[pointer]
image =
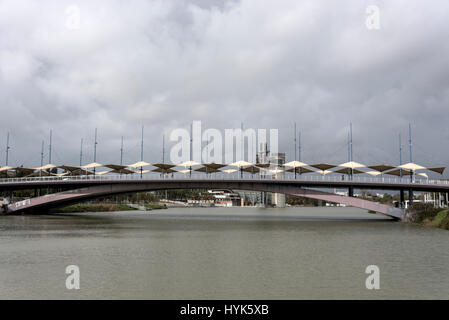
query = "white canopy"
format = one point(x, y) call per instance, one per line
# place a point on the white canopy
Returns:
point(240, 163)
point(5, 168)
point(92, 165)
point(373, 173)
point(184, 171)
point(324, 171)
point(352, 165)
point(229, 170)
point(422, 174)
point(139, 164)
point(295, 164)
point(188, 164)
point(411, 166)
point(276, 171)
point(62, 174)
point(46, 167)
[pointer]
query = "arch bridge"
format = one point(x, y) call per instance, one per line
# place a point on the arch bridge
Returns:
point(80, 188)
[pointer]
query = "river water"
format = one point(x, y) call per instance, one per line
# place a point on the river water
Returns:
point(221, 253)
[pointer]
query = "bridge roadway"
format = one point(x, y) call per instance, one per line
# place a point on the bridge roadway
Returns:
point(82, 188)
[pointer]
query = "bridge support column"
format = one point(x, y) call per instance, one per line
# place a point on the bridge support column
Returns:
point(401, 198)
point(410, 197)
point(446, 198)
point(351, 191)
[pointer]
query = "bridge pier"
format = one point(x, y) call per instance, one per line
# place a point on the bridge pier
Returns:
point(410, 197)
point(351, 192)
point(402, 198)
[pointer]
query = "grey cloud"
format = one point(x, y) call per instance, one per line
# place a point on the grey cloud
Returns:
point(162, 64)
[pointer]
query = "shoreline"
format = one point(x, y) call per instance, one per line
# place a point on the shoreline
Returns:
point(105, 207)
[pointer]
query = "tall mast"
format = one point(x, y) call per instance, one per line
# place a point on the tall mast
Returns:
point(141, 146)
point(49, 148)
point(7, 148)
point(350, 135)
point(141, 154)
point(243, 142)
point(191, 147)
point(163, 148)
point(400, 155)
point(121, 152)
point(95, 146)
point(42, 158)
point(410, 140)
point(410, 146)
point(299, 146)
point(42, 153)
point(349, 149)
point(81, 152)
point(95, 149)
point(294, 138)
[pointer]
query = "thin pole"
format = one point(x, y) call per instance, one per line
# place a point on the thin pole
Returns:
point(121, 155)
point(410, 147)
point(191, 145)
point(141, 154)
point(42, 153)
point(95, 149)
point(400, 156)
point(42, 158)
point(294, 138)
point(410, 140)
point(81, 152)
point(243, 148)
point(121, 152)
point(7, 148)
point(350, 132)
point(141, 146)
point(243, 142)
point(299, 150)
point(163, 148)
point(349, 153)
point(350, 135)
point(49, 148)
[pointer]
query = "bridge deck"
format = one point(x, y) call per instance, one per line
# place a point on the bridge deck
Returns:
point(103, 187)
point(302, 181)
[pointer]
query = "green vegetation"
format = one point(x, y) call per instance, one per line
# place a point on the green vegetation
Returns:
point(441, 220)
point(426, 214)
point(155, 205)
point(306, 202)
point(92, 208)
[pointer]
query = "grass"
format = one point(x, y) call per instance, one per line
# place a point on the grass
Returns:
point(441, 220)
point(428, 215)
point(155, 206)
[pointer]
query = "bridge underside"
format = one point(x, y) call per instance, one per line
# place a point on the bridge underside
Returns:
point(96, 191)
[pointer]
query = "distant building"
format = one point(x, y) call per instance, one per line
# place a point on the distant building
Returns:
point(273, 169)
point(225, 198)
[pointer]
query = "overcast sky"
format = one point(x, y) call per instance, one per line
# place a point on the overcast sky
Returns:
point(162, 64)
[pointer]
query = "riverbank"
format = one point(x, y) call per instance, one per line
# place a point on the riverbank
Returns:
point(105, 207)
point(428, 216)
point(155, 206)
point(99, 207)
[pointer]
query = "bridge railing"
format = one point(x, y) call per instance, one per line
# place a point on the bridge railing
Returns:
point(236, 176)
